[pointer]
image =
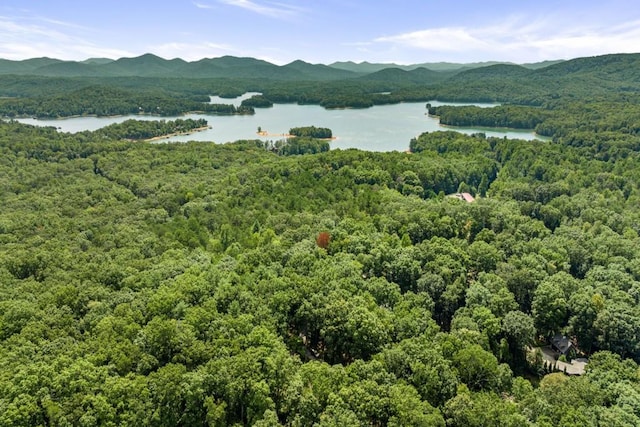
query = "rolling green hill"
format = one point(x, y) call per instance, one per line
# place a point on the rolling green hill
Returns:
point(318, 71)
point(419, 76)
point(27, 66)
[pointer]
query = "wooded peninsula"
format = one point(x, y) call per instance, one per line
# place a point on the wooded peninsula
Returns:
point(282, 283)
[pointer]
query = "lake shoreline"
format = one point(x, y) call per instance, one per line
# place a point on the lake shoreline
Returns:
point(132, 115)
point(171, 135)
point(498, 128)
point(382, 128)
point(264, 133)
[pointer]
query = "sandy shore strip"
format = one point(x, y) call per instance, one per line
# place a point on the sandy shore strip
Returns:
point(267, 134)
point(169, 135)
point(264, 133)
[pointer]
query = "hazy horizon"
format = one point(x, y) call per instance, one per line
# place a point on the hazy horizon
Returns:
point(405, 32)
point(298, 59)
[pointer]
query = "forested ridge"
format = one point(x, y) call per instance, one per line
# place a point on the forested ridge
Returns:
point(248, 283)
point(110, 101)
point(147, 130)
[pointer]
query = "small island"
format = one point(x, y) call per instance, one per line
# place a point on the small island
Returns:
point(299, 140)
point(312, 132)
point(301, 132)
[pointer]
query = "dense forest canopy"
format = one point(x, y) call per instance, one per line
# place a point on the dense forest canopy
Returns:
point(284, 283)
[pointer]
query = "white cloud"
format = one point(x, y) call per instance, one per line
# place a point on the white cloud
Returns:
point(521, 40)
point(203, 6)
point(22, 40)
point(273, 10)
point(438, 39)
point(357, 44)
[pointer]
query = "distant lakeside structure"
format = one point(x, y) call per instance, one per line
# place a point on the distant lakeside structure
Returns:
point(465, 197)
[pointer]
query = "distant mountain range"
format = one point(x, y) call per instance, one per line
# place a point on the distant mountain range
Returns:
point(367, 67)
point(150, 65)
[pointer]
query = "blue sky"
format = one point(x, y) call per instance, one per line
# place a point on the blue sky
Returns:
point(321, 31)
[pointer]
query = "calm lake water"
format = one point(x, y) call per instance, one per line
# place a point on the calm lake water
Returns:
point(379, 128)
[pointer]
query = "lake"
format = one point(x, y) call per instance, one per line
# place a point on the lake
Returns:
point(378, 128)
